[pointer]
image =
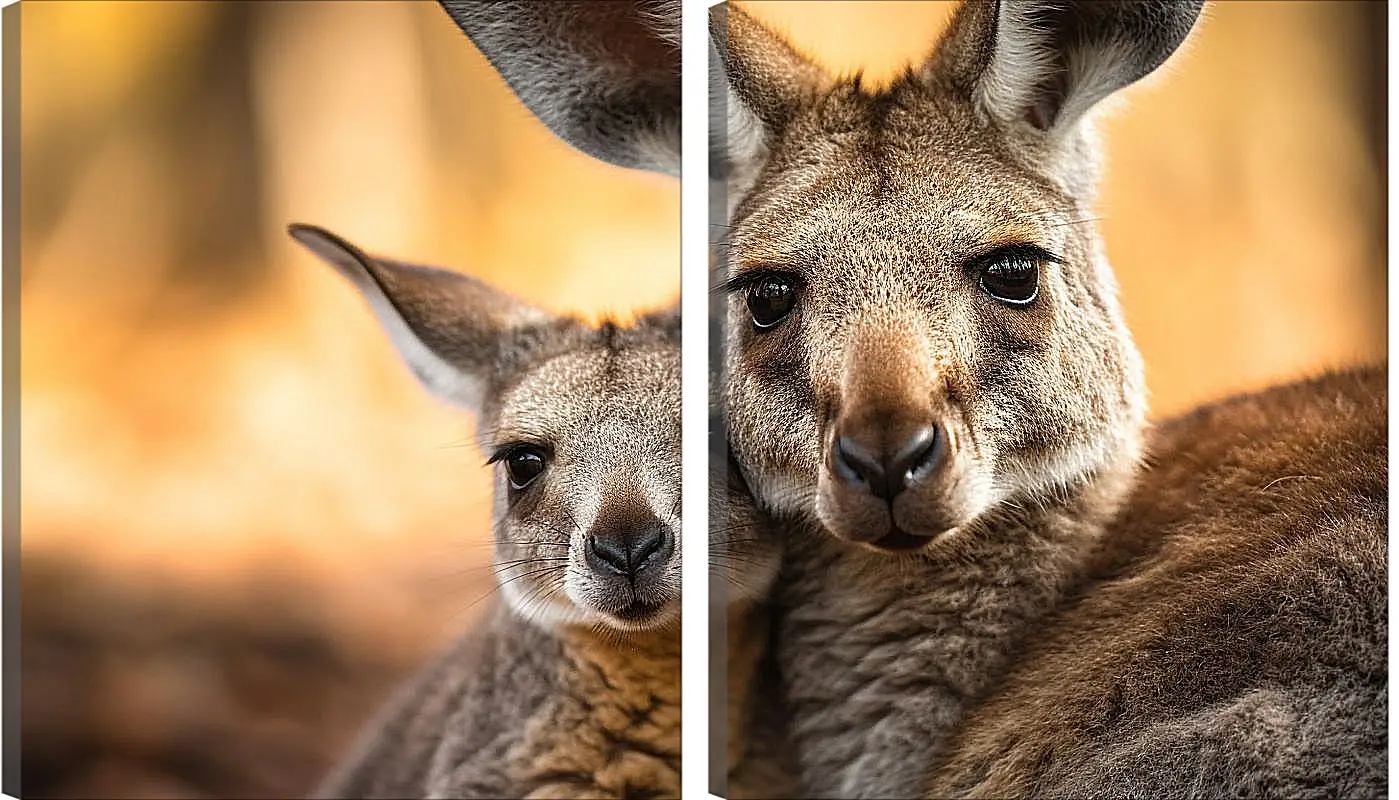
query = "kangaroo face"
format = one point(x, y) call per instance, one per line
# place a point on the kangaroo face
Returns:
point(582, 426)
point(922, 328)
point(934, 339)
point(587, 452)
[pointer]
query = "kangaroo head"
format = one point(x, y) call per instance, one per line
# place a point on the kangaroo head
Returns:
point(922, 327)
point(581, 425)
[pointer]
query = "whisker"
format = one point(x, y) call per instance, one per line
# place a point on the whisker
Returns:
point(502, 584)
point(571, 520)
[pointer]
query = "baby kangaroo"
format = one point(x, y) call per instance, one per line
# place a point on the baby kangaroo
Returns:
point(570, 687)
point(746, 727)
point(995, 582)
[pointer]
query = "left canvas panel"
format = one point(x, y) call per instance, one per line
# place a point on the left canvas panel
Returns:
point(298, 513)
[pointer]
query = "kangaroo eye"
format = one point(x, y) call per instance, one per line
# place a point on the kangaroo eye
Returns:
point(771, 299)
point(523, 464)
point(1012, 278)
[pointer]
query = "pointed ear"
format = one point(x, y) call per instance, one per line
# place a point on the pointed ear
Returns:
point(1045, 63)
point(603, 75)
point(757, 84)
point(446, 326)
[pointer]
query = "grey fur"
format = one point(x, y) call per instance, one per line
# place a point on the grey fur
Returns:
point(920, 672)
point(604, 75)
point(560, 691)
point(747, 725)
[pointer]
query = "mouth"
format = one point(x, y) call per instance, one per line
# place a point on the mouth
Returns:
point(638, 611)
point(899, 541)
point(639, 615)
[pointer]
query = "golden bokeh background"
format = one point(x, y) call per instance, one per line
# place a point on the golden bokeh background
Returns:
point(243, 520)
point(1244, 200)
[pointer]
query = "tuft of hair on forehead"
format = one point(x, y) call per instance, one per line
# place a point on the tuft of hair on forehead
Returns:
point(530, 346)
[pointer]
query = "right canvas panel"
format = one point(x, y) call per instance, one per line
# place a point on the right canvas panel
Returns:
point(1049, 398)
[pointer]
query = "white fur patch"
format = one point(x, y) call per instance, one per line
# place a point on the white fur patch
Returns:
point(658, 151)
point(546, 609)
point(1020, 58)
point(439, 376)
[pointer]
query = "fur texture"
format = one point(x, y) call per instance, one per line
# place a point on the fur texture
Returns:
point(515, 711)
point(1236, 660)
point(917, 589)
point(571, 687)
point(745, 723)
point(604, 75)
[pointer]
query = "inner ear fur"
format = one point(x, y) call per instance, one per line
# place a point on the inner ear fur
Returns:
point(1044, 64)
point(758, 83)
point(763, 72)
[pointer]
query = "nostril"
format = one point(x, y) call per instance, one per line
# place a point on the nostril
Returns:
point(628, 553)
point(854, 464)
point(608, 553)
point(887, 475)
point(919, 456)
point(648, 547)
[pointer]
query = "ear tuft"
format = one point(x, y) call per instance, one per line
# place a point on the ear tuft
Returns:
point(446, 326)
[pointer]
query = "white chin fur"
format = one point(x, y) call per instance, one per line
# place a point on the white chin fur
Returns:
point(554, 612)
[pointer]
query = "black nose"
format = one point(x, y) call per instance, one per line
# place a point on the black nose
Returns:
point(886, 471)
point(629, 552)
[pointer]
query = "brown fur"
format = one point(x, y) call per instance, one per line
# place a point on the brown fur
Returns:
point(571, 688)
point(1290, 592)
point(1016, 545)
point(515, 711)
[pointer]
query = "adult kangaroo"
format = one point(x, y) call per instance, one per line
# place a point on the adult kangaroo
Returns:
point(997, 581)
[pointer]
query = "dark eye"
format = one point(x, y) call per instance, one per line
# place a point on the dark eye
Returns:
point(1012, 278)
point(523, 464)
point(771, 299)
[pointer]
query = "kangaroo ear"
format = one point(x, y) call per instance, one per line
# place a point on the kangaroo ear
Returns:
point(448, 327)
point(757, 84)
point(1045, 63)
point(604, 76)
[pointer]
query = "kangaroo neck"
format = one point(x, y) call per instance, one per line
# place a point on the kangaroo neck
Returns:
point(643, 656)
point(882, 654)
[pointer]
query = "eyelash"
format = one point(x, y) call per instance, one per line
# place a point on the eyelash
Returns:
point(742, 282)
point(747, 280)
point(1021, 250)
point(501, 451)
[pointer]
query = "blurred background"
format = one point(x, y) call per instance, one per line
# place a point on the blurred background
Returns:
point(243, 520)
point(1244, 205)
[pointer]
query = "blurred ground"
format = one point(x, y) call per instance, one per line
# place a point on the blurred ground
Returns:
point(143, 684)
point(242, 519)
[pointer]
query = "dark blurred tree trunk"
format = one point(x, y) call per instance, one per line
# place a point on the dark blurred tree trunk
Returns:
point(215, 156)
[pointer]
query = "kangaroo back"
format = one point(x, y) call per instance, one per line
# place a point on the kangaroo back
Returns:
point(1233, 639)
